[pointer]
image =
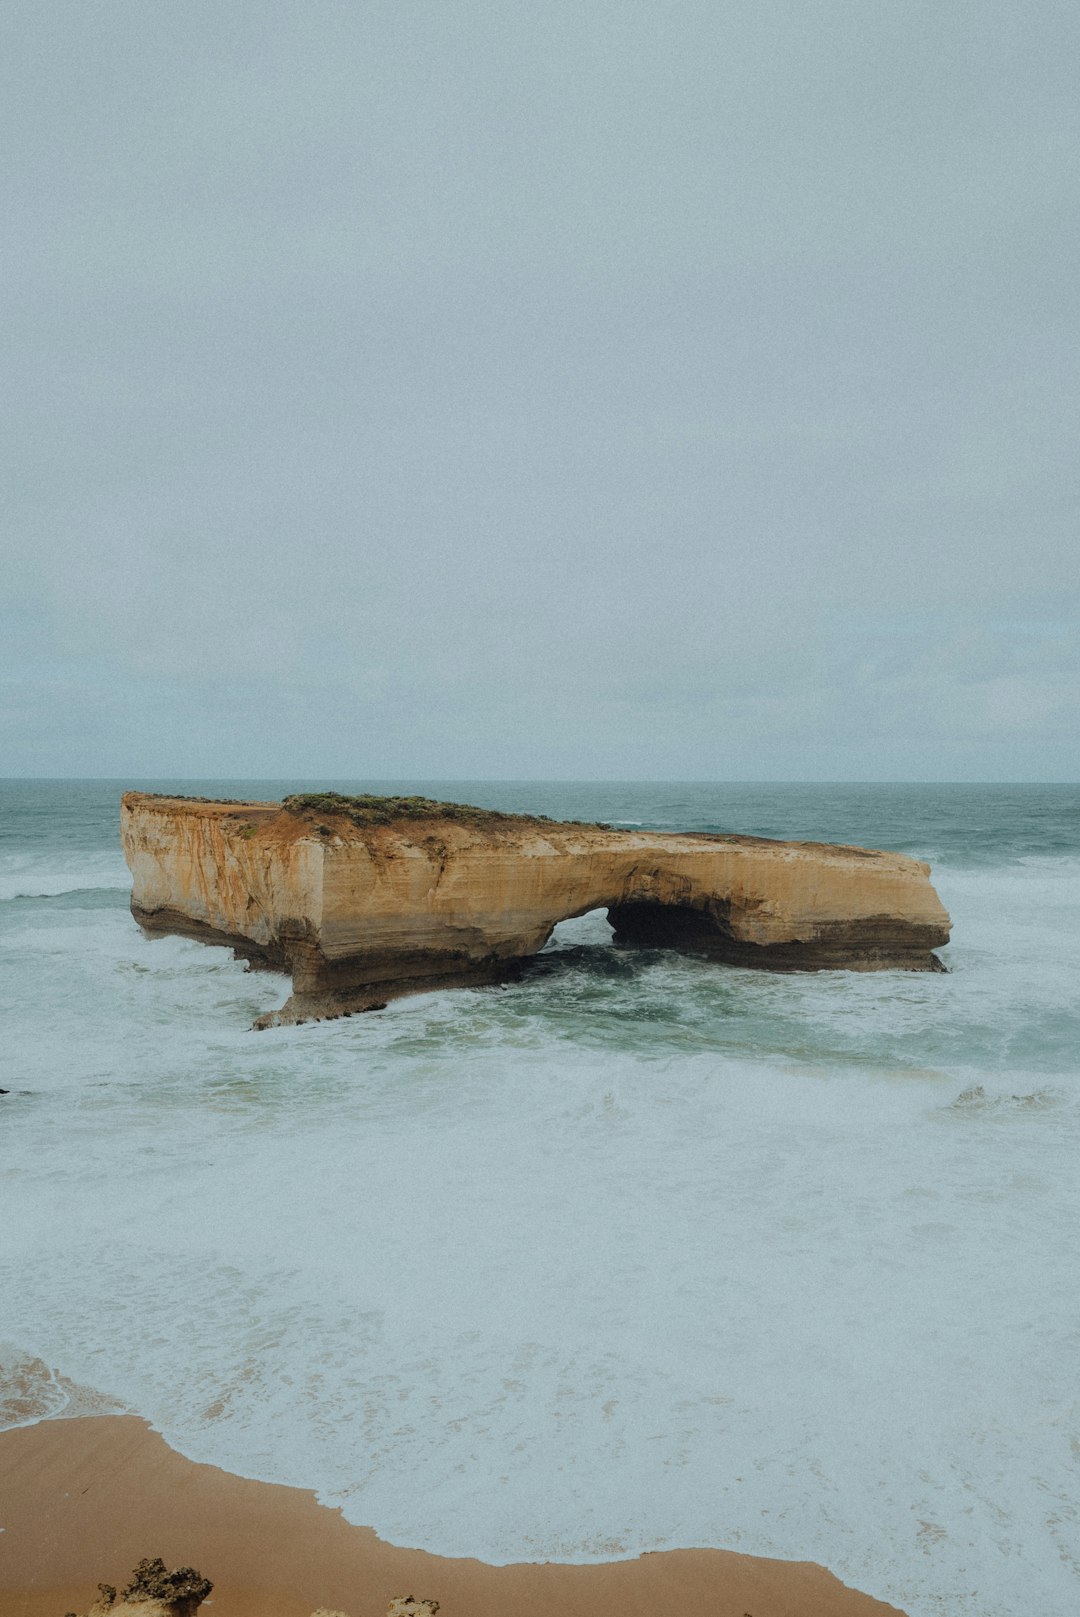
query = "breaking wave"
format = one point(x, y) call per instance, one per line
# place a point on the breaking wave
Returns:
point(23, 876)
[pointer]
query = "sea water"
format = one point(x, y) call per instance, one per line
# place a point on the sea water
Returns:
point(641, 1252)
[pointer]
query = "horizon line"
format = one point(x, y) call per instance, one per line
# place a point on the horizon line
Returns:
point(544, 780)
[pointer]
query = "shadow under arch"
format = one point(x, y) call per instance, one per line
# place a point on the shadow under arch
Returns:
point(704, 929)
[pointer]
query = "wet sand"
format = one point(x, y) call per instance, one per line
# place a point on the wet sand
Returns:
point(81, 1501)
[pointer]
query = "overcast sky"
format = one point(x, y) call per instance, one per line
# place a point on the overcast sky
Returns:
point(595, 389)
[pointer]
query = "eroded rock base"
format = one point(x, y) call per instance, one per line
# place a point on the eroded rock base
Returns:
point(329, 1003)
point(874, 944)
point(326, 991)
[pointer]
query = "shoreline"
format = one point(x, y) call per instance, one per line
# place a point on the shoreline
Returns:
point(83, 1499)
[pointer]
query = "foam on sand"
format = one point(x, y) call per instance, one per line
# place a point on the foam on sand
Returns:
point(86, 1498)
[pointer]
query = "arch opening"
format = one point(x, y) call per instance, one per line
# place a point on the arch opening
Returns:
point(590, 930)
point(650, 925)
point(644, 924)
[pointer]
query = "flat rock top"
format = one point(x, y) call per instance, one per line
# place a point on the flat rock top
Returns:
point(418, 819)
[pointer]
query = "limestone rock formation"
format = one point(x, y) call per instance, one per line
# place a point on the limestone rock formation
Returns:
point(154, 1591)
point(365, 899)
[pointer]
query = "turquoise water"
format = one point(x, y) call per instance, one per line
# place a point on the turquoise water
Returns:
point(639, 1252)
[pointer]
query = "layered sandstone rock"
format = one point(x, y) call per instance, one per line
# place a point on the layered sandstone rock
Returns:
point(360, 909)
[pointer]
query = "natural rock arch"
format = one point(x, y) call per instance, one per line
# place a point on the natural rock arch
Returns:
point(360, 910)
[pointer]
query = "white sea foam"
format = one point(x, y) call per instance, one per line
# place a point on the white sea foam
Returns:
point(636, 1253)
point(31, 875)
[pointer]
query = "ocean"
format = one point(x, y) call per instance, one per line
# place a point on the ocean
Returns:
point(641, 1252)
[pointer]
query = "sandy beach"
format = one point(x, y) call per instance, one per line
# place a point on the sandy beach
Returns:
point(81, 1501)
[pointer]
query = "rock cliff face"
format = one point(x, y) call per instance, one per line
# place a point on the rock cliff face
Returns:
point(360, 912)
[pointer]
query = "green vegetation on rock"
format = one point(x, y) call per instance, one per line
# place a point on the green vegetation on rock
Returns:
point(368, 809)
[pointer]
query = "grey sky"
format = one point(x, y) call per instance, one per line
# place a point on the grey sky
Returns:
point(541, 389)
